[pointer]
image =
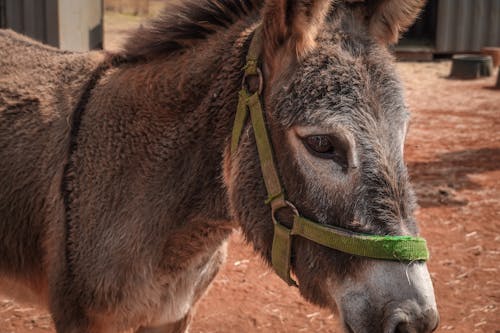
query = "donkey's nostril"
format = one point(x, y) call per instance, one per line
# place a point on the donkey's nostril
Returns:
point(403, 327)
point(426, 322)
point(349, 329)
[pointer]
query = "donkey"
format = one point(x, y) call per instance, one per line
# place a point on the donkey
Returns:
point(119, 187)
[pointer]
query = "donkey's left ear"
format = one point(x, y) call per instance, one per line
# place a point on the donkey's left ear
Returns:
point(389, 18)
point(290, 27)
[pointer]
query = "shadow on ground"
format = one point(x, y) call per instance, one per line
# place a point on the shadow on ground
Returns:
point(438, 182)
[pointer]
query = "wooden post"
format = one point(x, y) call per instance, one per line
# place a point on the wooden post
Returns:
point(494, 52)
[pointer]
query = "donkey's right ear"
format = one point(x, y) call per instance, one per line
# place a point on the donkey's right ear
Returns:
point(290, 28)
point(389, 18)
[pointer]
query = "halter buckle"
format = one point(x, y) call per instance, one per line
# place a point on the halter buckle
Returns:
point(280, 204)
point(249, 83)
point(281, 255)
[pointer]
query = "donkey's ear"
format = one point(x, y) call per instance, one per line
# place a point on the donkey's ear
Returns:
point(291, 26)
point(389, 18)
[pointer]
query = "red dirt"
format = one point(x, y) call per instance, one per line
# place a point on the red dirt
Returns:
point(453, 154)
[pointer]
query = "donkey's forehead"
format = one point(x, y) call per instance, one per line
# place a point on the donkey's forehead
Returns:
point(333, 84)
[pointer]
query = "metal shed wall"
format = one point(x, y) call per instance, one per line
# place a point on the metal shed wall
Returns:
point(2, 14)
point(467, 25)
point(31, 17)
point(74, 25)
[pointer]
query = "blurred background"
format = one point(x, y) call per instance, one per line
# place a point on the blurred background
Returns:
point(452, 152)
point(445, 27)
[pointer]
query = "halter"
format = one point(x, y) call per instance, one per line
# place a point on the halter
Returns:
point(396, 248)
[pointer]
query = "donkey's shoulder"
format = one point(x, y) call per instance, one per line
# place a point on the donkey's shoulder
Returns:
point(12, 41)
point(32, 71)
point(21, 54)
point(19, 51)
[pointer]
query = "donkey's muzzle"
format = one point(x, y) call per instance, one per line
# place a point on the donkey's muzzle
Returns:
point(389, 297)
point(406, 317)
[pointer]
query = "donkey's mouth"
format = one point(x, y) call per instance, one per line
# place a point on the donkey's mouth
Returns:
point(348, 328)
point(357, 327)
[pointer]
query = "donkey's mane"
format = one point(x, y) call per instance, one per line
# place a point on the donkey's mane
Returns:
point(183, 23)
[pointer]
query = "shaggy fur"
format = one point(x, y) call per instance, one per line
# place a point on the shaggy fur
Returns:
point(184, 23)
point(293, 27)
point(117, 189)
point(389, 18)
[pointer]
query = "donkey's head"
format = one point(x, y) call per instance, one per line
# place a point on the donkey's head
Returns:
point(337, 121)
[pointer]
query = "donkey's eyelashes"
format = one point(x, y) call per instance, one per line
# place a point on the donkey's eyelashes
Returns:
point(320, 144)
point(326, 147)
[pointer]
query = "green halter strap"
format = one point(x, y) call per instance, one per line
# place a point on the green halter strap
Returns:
point(399, 248)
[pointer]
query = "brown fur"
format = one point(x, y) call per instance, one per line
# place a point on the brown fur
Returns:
point(389, 18)
point(291, 27)
point(117, 190)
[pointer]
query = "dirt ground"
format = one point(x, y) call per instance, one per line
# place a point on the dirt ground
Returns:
point(453, 154)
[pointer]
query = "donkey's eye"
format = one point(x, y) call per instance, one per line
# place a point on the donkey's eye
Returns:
point(326, 147)
point(320, 145)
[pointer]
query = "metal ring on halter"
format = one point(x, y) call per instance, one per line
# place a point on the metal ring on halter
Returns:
point(245, 85)
point(288, 204)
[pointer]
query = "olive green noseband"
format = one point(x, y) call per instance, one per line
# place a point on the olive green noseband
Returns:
point(398, 248)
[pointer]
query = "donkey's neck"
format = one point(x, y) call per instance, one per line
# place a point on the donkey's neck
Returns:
point(185, 106)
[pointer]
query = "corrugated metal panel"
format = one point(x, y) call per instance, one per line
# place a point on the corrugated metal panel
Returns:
point(74, 25)
point(51, 23)
point(34, 18)
point(467, 25)
point(3, 24)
